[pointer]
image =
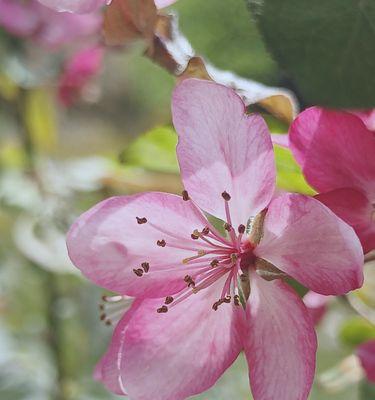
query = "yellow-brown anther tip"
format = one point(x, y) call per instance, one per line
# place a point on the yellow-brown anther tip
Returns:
point(162, 309)
point(141, 221)
point(185, 195)
point(168, 300)
point(161, 243)
point(226, 196)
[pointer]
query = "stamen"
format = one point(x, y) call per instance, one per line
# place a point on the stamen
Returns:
point(227, 227)
point(226, 196)
point(145, 266)
point(241, 229)
point(185, 195)
point(214, 263)
point(168, 300)
point(195, 235)
point(162, 309)
point(205, 231)
point(138, 271)
point(113, 308)
point(189, 280)
point(141, 221)
point(161, 243)
point(236, 300)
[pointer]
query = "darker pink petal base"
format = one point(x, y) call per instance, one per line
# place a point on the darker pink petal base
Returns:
point(335, 150)
point(175, 355)
point(366, 353)
point(305, 239)
point(280, 343)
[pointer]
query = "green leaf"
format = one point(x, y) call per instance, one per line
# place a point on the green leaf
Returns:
point(154, 151)
point(289, 174)
point(356, 330)
point(325, 47)
point(367, 391)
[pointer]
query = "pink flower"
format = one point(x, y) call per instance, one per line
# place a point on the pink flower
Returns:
point(46, 27)
point(186, 325)
point(79, 70)
point(336, 152)
point(366, 354)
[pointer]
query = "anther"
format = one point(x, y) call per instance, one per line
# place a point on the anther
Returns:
point(215, 306)
point(214, 263)
point(226, 196)
point(227, 227)
point(241, 229)
point(206, 230)
point(102, 317)
point(226, 299)
point(236, 300)
point(189, 280)
point(138, 271)
point(233, 257)
point(145, 266)
point(161, 243)
point(168, 300)
point(162, 309)
point(185, 195)
point(141, 221)
point(195, 235)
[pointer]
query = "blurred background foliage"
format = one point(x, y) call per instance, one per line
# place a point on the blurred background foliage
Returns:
point(55, 162)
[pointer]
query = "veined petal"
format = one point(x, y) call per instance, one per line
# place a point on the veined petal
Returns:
point(221, 149)
point(366, 353)
point(178, 354)
point(355, 209)
point(335, 150)
point(305, 239)
point(107, 243)
point(280, 344)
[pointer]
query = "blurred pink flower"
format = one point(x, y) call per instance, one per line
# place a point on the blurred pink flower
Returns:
point(85, 6)
point(317, 305)
point(186, 325)
point(48, 28)
point(75, 6)
point(78, 71)
point(336, 152)
point(367, 116)
point(366, 354)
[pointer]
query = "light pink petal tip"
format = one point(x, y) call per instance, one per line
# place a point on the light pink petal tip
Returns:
point(355, 209)
point(280, 345)
point(316, 304)
point(310, 243)
point(106, 243)
point(175, 355)
point(335, 150)
point(281, 140)
point(366, 353)
point(221, 149)
point(75, 6)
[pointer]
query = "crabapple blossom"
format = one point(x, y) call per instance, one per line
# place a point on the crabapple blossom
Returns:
point(336, 152)
point(204, 292)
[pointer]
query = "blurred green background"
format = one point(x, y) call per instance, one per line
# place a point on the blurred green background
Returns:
point(57, 162)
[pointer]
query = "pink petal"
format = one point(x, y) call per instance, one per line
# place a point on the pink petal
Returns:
point(367, 116)
point(221, 149)
point(335, 150)
point(280, 345)
point(106, 243)
point(310, 243)
point(316, 305)
point(178, 354)
point(74, 6)
point(356, 210)
point(164, 3)
point(366, 353)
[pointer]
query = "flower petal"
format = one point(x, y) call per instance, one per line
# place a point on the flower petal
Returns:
point(106, 243)
point(178, 354)
point(366, 353)
point(164, 3)
point(305, 239)
point(335, 150)
point(280, 345)
point(221, 149)
point(356, 210)
point(74, 6)
point(316, 305)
